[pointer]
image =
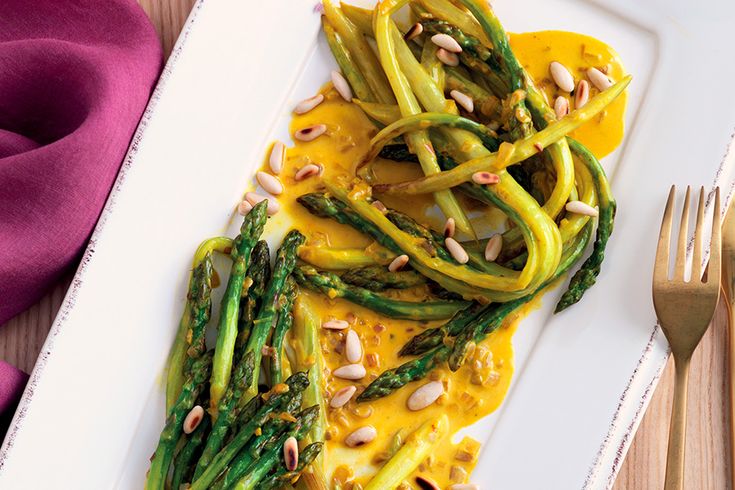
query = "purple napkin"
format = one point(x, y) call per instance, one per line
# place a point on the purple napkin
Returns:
point(75, 76)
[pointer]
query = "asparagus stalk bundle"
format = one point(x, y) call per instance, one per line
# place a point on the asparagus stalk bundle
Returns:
point(252, 228)
point(331, 285)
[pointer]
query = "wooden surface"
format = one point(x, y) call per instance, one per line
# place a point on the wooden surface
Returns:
point(707, 445)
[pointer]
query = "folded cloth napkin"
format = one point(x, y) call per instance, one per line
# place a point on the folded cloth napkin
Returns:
point(75, 76)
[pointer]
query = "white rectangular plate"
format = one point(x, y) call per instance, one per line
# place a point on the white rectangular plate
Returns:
point(92, 411)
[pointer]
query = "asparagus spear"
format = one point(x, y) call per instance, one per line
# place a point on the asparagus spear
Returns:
point(418, 368)
point(308, 356)
point(416, 449)
point(344, 258)
point(259, 469)
point(279, 397)
point(259, 273)
point(187, 456)
point(252, 228)
point(193, 387)
point(285, 262)
point(228, 411)
point(585, 277)
point(378, 278)
point(331, 285)
point(282, 477)
point(285, 320)
point(189, 343)
point(433, 337)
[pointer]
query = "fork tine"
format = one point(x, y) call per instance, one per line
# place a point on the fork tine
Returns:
point(713, 267)
point(697, 258)
point(681, 248)
point(661, 268)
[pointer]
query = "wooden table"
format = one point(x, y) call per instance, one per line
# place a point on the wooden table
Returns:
point(707, 445)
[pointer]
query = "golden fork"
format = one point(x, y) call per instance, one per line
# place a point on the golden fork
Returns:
point(684, 310)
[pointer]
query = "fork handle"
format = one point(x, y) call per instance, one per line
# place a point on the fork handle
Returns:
point(677, 428)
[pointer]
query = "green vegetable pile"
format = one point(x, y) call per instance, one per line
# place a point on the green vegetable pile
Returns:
point(239, 443)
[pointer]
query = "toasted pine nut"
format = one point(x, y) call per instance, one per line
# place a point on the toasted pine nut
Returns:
point(244, 208)
point(493, 247)
point(464, 100)
point(456, 250)
point(425, 483)
point(562, 78)
point(582, 95)
point(599, 79)
point(310, 133)
point(193, 419)
point(350, 371)
point(353, 347)
point(291, 453)
point(342, 86)
point(485, 178)
point(341, 397)
point(335, 325)
point(254, 198)
point(308, 104)
point(308, 170)
point(277, 157)
point(446, 57)
point(561, 106)
point(414, 32)
point(269, 183)
point(449, 228)
point(579, 207)
point(445, 41)
point(361, 436)
point(398, 263)
point(425, 395)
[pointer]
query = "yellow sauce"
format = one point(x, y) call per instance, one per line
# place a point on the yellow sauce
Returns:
point(479, 387)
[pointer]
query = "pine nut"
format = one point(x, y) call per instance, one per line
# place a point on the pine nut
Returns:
point(485, 178)
point(353, 347)
point(269, 183)
point(414, 32)
point(426, 484)
point(449, 228)
point(244, 208)
point(561, 106)
point(308, 104)
point(254, 198)
point(361, 436)
point(193, 419)
point(582, 95)
point(579, 207)
point(445, 41)
point(350, 371)
point(291, 453)
point(398, 263)
point(456, 250)
point(342, 396)
point(340, 83)
point(277, 157)
point(493, 247)
point(464, 486)
point(599, 79)
point(425, 395)
point(562, 78)
point(464, 100)
point(310, 133)
point(308, 170)
point(449, 59)
point(335, 325)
